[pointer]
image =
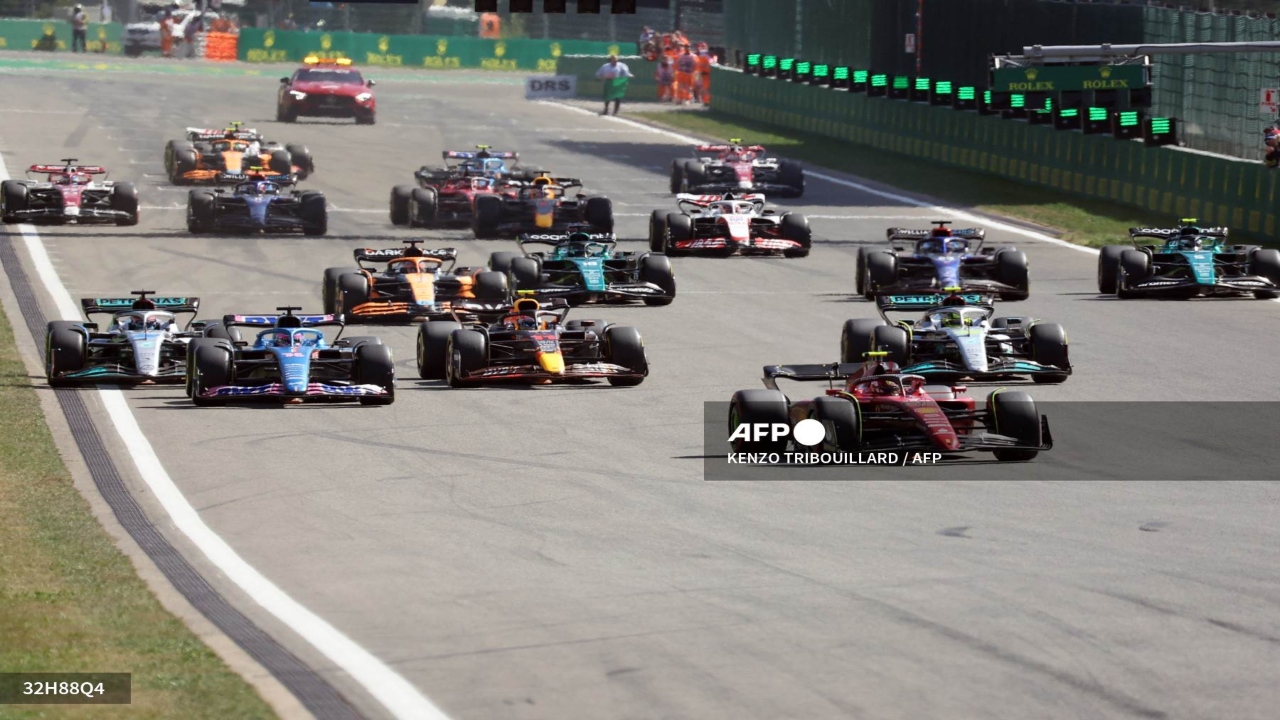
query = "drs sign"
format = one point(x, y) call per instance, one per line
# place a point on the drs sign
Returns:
point(540, 87)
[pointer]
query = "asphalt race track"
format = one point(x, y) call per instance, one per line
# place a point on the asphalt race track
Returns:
point(553, 552)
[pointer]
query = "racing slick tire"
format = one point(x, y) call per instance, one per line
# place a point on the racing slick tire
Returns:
point(1109, 268)
point(329, 290)
point(492, 286)
point(657, 230)
point(856, 339)
point(1049, 347)
point(751, 407)
point(171, 149)
point(185, 160)
point(656, 269)
point(353, 291)
point(598, 212)
point(212, 367)
point(795, 226)
point(1135, 265)
point(1266, 263)
point(624, 346)
point(208, 340)
point(677, 176)
point(433, 348)
point(14, 197)
point(1013, 413)
point(791, 174)
point(218, 331)
point(424, 204)
point(860, 273)
point(679, 229)
point(588, 325)
point(839, 417)
point(882, 271)
point(65, 351)
point(1012, 270)
point(524, 274)
point(894, 340)
point(501, 261)
point(314, 214)
point(400, 204)
point(375, 366)
point(124, 198)
point(202, 211)
point(300, 155)
point(488, 216)
point(695, 174)
point(468, 352)
point(281, 162)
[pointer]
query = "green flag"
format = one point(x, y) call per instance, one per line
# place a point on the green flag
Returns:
point(615, 89)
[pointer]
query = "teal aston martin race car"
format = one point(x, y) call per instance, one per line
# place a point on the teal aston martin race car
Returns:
point(1191, 262)
point(585, 267)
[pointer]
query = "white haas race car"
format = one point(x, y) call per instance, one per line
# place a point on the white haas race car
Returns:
point(69, 194)
point(723, 225)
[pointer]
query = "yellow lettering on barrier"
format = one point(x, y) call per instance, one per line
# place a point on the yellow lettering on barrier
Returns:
point(4, 43)
point(441, 63)
point(547, 65)
point(499, 64)
point(384, 60)
point(259, 55)
point(1105, 84)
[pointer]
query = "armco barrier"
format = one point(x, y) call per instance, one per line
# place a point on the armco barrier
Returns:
point(423, 51)
point(27, 35)
point(641, 88)
point(1168, 183)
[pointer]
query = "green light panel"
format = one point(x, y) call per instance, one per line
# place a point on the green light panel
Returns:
point(901, 82)
point(770, 62)
point(804, 67)
point(1160, 126)
point(842, 73)
point(922, 84)
point(753, 59)
point(968, 93)
point(879, 80)
point(821, 71)
point(860, 76)
point(1018, 100)
point(943, 87)
point(1069, 112)
point(1097, 114)
point(786, 64)
point(1128, 118)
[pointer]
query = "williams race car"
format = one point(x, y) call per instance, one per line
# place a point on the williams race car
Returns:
point(543, 204)
point(727, 225)
point(583, 267)
point(943, 258)
point(260, 205)
point(288, 360)
point(326, 87)
point(209, 156)
point(733, 167)
point(957, 337)
point(142, 343)
point(416, 284)
point(1190, 262)
point(531, 343)
point(879, 406)
point(68, 194)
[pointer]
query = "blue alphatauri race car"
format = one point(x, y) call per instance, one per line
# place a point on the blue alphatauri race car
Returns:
point(262, 205)
point(1191, 262)
point(289, 360)
point(584, 267)
point(142, 343)
point(942, 258)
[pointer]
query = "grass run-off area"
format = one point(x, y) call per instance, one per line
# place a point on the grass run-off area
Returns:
point(70, 601)
point(1079, 220)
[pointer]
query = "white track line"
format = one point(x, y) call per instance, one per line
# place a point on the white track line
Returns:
point(400, 698)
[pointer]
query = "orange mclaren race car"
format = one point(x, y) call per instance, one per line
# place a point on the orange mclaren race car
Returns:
point(210, 156)
point(417, 284)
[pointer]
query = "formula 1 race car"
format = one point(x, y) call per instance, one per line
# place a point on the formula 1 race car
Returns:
point(288, 360)
point(543, 204)
point(957, 337)
point(210, 156)
point(879, 406)
point(68, 194)
point(142, 343)
point(326, 87)
point(733, 167)
point(727, 225)
point(530, 342)
point(584, 267)
point(257, 206)
point(447, 194)
point(943, 258)
point(1192, 262)
point(416, 284)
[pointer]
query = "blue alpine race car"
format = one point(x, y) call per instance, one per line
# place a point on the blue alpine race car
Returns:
point(1191, 262)
point(586, 267)
point(288, 360)
point(259, 205)
point(943, 258)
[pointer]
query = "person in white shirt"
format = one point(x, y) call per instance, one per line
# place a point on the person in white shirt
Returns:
point(79, 21)
point(610, 71)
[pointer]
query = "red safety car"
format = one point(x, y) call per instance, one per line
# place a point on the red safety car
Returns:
point(326, 88)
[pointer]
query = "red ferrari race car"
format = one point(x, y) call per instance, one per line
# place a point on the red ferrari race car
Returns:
point(877, 407)
point(326, 88)
point(722, 225)
point(69, 194)
point(446, 195)
point(725, 168)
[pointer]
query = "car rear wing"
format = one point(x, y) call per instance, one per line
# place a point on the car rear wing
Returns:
point(563, 182)
point(1166, 233)
point(69, 169)
point(897, 233)
point(142, 301)
point(212, 134)
point(562, 237)
point(727, 148)
point(387, 254)
point(290, 320)
point(467, 155)
point(830, 373)
point(705, 200)
point(908, 302)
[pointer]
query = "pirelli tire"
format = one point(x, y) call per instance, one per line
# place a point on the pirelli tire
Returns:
point(501, 261)
point(300, 157)
point(1109, 268)
point(624, 346)
point(424, 207)
point(66, 350)
point(329, 288)
point(1049, 347)
point(491, 286)
point(487, 218)
point(314, 213)
point(433, 348)
point(677, 177)
point(882, 272)
point(1013, 270)
point(598, 212)
point(185, 160)
point(791, 174)
point(758, 407)
point(14, 197)
point(1135, 266)
point(695, 174)
point(353, 291)
point(842, 421)
point(1013, 413)
point(679, 229)
point(860, 273)
point(525, 273)
point(399, 205)
point(657, 269)
point(212, 366)
point(124, 198)
point(280, 161)
point(468, 353)
point(857, 338)
point(375, 365)
point(1265, 262)
point(657, 230)
point(202, 211)
point(795, 226)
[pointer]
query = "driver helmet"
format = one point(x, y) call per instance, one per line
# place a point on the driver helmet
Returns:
point(955, 245)
point(743, 208)
point(885, 367)
point(1192, 243)
point(518, 321)
point(154, 324)
point(884, 387)
point(952, 319)
point(264, 187)
point(931, 246)
point(579, 236)
point(404, 267)
point(230, 134)
point(282, 338)
point(953, 300)
point(135, 323)
point(941, 232)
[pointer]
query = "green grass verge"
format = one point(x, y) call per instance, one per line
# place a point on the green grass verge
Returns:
point(1079, 220)
point(70, 601)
